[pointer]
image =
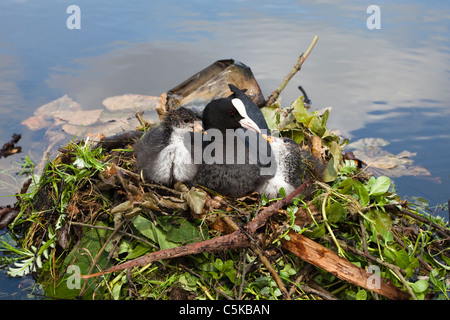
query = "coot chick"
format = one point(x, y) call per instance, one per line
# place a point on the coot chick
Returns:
point(161, 153)
point(294, 165)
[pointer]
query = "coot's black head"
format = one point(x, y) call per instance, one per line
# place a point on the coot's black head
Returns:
point(179, 118)
point(227, 113)
point(252, 109)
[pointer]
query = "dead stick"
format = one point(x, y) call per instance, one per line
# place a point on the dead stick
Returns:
point(262, 217)
point(445, 231)
point(364, 254)
point(303, 247)
point(231, 241)
point(273, 97)
point(320, 256)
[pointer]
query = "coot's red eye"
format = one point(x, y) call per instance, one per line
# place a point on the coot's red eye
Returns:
point(231, 112)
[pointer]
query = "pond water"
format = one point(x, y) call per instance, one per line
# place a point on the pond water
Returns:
point(391, 83)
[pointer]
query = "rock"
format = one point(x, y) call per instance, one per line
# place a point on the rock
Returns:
point(135, 102)
point(212, 83)
point(101, 128)
point(382, 162)
point(36, 122)
point(61, 111)
point(58, 107)
point(80, 118)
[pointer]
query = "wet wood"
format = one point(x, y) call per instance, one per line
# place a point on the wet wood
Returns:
point(320, 256)
point(10, 147)
point(7, 214)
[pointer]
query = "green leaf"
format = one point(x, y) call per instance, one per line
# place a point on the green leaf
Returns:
point(325, 116)
point(361, 295)
point(265, 291)
point(382, 222)
point(335, 150)
point(413, 264)
point(288, 271)
point(229, 271)
point(402, 259)
point(272, 115)
point(152, 232)
point(137, 251)
point(389, 255)
point(295, 134)
point(345, 186)
point(335, 212)
point(330, 172)
point(218, 264)
point(317, 232)
point(80, 257)
point(436, 282)
point(380, 186)
point(362, 193)
point(300, 113)
point(419, 286)
point(185, 233)
point(207, 266)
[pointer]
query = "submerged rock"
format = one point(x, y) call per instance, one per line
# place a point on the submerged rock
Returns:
point(131, 102)
point(57, 108)
point(382, 162)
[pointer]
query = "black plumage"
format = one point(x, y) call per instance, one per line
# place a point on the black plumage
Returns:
point(237, 159)
point(252, 109)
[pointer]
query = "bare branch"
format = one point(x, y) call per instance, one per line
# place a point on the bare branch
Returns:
point(274, 96)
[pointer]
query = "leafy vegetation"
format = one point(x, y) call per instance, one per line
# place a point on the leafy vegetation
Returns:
point(89, 210)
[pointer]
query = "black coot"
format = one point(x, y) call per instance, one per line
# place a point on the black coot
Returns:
point(236, 157)
point(251, 108)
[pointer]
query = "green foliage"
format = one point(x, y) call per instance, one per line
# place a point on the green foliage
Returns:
point(64, 285)
point(301, 125)
point(169, 232)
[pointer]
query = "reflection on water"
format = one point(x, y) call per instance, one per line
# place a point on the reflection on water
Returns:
point(390, 83)
point(422, 129)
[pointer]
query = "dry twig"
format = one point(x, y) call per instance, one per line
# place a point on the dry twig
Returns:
point(274, 96)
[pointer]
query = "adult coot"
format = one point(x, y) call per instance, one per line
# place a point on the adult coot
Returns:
point(236, 157)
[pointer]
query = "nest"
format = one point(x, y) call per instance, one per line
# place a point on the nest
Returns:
point(96, 230)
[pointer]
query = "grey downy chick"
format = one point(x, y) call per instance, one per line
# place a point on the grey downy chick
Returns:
point(161, 154)
point(294, 165)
